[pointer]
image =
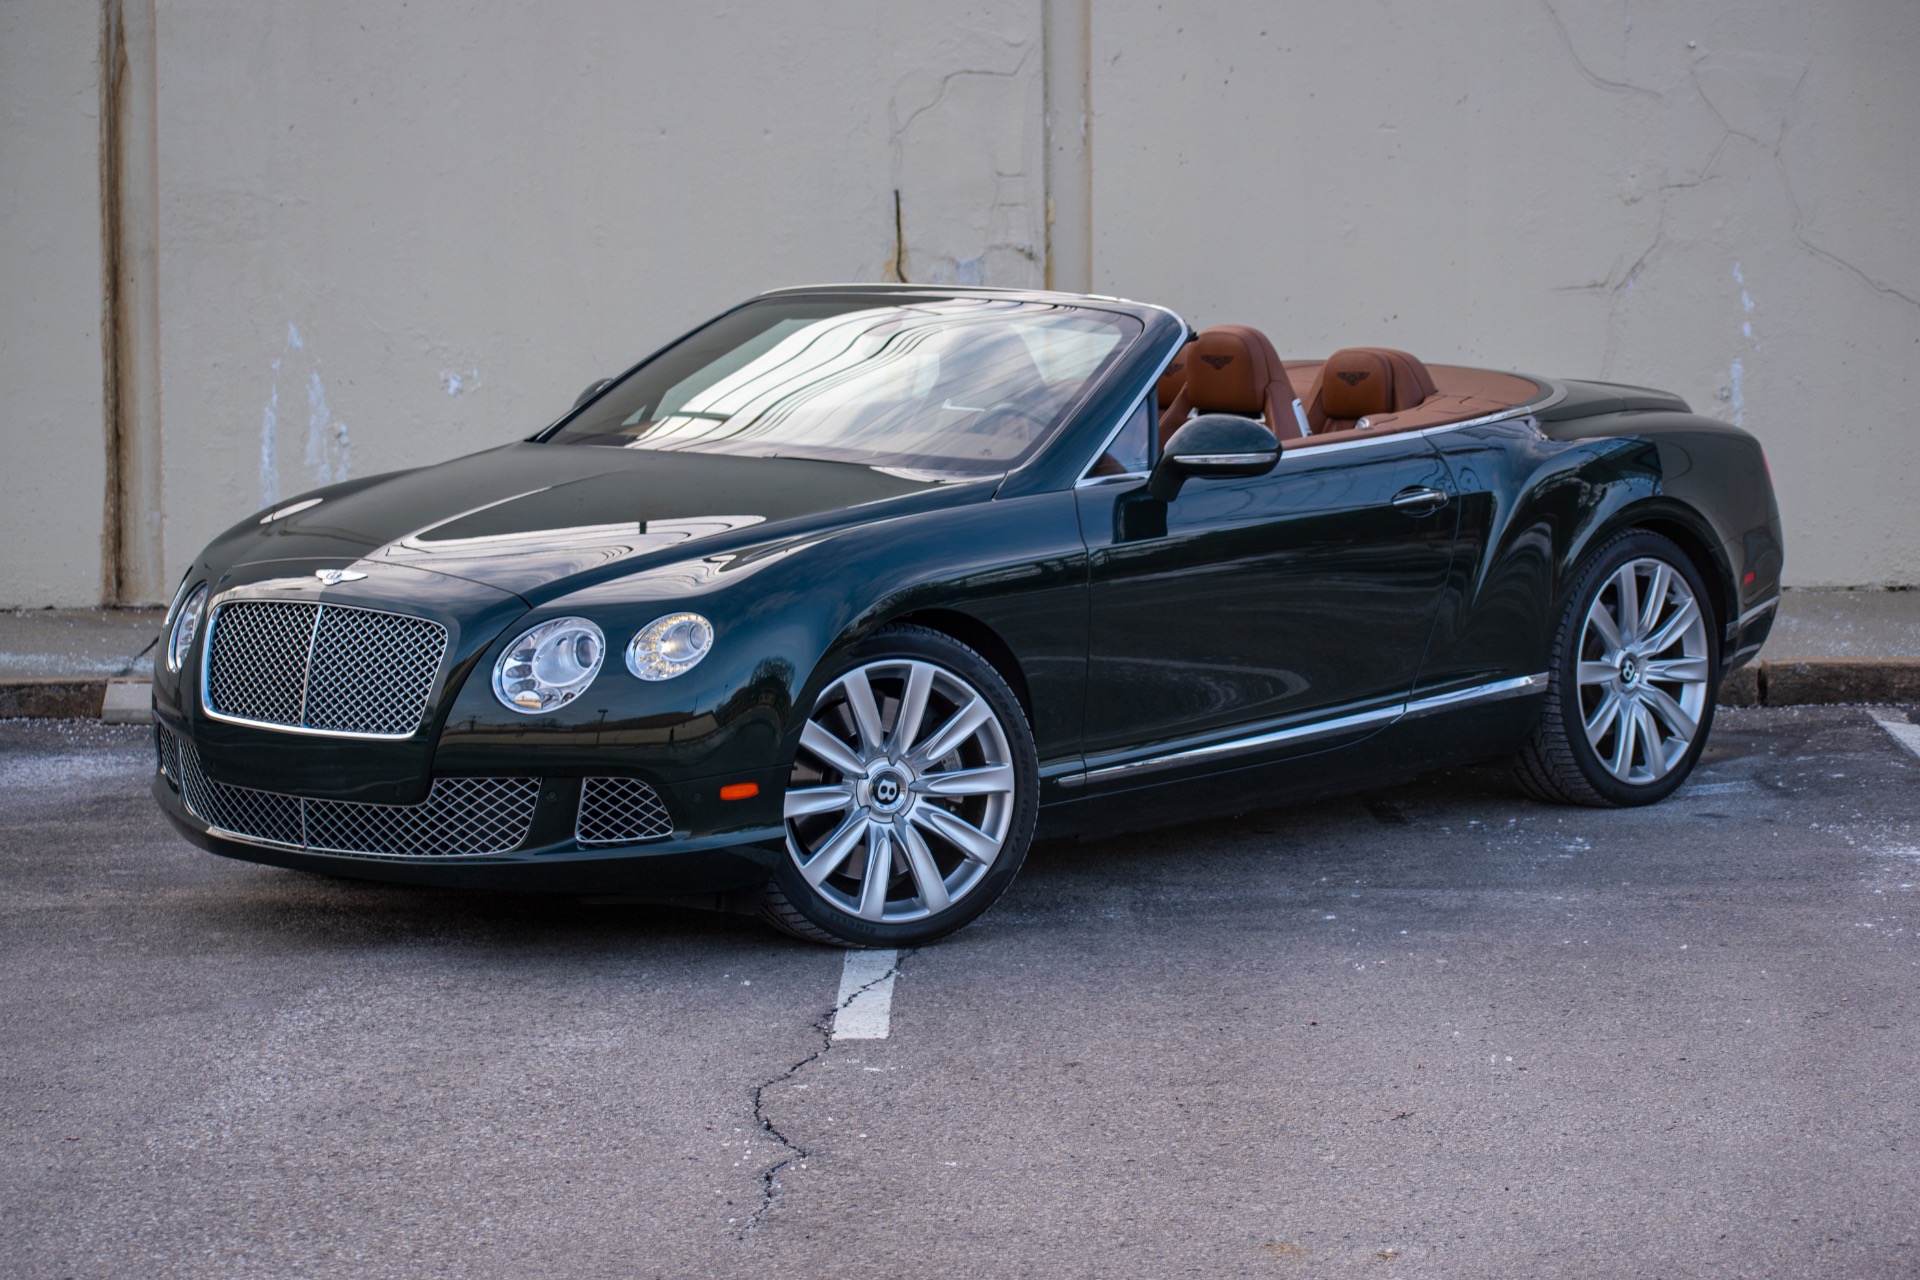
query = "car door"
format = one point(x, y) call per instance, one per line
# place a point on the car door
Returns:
point(1291, 609)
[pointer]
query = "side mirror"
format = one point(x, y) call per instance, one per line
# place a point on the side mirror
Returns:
point(1217, 446)
point(593, 389)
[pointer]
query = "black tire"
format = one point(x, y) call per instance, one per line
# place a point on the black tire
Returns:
point(1559, 762)
point(796, 906)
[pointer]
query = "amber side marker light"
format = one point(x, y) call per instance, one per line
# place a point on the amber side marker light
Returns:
point(740, 791)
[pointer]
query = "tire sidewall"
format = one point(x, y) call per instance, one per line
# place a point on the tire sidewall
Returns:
point(1604, 562)
point(932, 646)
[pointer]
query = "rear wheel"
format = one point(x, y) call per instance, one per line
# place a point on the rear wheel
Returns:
point(1630, 696)
point(912, 797)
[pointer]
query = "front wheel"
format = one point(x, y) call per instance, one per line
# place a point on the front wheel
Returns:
point(1630, 696)
point(912, 797)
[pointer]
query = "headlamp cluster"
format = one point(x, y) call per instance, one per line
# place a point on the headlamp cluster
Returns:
point(548, 666)
point(186, 622)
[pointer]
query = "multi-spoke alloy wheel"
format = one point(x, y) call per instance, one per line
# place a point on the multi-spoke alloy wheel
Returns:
point(1643, 671)
point(1632, 688)
point(911, 798)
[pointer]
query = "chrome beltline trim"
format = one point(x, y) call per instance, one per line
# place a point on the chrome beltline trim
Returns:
point(1763, 607)
point(1518, 687)
point(1556, 392)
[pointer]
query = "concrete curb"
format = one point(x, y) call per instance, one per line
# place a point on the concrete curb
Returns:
point(1807, 682)
point(1772, 682)
point(52, 696)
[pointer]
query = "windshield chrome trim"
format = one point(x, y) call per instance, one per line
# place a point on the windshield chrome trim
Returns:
point(1132, 408)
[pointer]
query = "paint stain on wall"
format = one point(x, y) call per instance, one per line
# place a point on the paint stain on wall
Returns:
point(1736, 390)
point(454, 381)
point(327, 455)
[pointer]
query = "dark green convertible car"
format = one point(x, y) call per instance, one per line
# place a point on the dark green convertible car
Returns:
point(833, 605)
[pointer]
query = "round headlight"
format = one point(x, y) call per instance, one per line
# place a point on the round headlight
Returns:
point(549, 666)
point(670, 646)
point(185, 623)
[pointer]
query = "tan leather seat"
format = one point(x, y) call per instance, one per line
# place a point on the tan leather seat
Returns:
point(1363, 382)
point(1231, 368)
point(1174, 380)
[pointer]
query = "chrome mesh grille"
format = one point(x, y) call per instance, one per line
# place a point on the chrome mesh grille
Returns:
point(330, 668)
point(620, 811)
point(459, 817)
point(257, 660)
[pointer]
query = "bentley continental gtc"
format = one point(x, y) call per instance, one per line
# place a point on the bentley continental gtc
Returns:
point(833, 605)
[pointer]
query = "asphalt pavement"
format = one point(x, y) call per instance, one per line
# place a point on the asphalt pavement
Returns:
point(1433, 1031)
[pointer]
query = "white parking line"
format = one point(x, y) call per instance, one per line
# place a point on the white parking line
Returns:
point(865, 1008)
point(1904, 733)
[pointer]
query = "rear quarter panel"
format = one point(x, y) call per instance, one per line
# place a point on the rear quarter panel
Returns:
point(1536, 497)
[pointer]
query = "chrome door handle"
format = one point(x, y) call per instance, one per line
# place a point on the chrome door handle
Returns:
point(1420, 502)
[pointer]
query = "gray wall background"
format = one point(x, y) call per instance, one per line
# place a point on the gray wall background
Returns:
point(248, 249)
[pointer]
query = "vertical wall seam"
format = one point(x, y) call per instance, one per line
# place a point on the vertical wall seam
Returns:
point(1066, 34)
point(1086, 142)
point(113, 63)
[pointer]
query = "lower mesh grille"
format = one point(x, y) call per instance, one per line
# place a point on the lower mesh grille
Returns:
point(459, 817)
point(620, 811)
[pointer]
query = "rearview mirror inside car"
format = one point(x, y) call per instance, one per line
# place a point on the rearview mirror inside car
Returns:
point(1215, 446)
point(593, 389)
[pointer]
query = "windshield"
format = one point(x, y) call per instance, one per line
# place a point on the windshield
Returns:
point(971, 385)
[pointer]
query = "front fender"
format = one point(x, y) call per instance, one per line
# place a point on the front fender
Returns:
point(780, 611)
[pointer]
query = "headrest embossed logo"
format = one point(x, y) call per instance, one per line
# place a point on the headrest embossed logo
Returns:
point(1352, 378)
point(1218, 362)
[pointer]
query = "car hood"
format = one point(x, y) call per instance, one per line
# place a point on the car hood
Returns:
point(534, 518)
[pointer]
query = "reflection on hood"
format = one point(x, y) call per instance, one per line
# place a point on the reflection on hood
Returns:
point(520, 559)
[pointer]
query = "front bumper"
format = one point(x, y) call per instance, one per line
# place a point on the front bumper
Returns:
point(543, 849)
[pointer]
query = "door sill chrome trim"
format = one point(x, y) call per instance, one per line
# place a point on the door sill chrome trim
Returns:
point(1515, 688)
point(1519, 687)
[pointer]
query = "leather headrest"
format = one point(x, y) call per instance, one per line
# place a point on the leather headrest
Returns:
point(1234, 369)
point(1359, 381)
point(1175, 377)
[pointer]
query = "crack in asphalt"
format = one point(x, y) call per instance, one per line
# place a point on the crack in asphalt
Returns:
point(822, 1027)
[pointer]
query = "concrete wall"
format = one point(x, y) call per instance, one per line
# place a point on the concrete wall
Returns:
point(390, 234)
point(52, 442)
point(1716, 199)
point(393, 235)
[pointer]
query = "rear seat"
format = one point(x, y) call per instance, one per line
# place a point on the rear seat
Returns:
point(1359, 383)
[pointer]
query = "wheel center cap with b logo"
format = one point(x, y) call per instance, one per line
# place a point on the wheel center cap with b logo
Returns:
point(888, 791)
point(1629, 670)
